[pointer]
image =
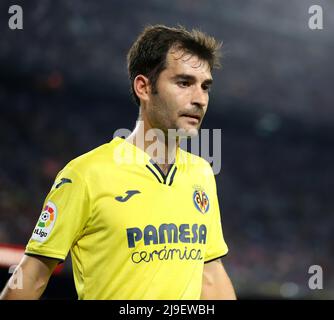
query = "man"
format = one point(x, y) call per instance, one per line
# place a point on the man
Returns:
point(140, 222)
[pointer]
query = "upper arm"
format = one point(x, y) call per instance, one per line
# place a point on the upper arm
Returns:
point(38, 266)
point(216, 282)
point(64, 216)
point(30, 278)
point(213, 270)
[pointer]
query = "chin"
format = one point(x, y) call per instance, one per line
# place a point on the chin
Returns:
point(184, 130)
point(187, 132)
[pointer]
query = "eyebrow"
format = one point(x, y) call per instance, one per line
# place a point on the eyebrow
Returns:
point(189, 77)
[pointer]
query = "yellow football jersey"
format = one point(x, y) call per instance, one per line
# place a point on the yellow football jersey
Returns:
point(133, 232)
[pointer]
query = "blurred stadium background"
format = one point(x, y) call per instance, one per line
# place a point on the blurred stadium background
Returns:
point(64, 90)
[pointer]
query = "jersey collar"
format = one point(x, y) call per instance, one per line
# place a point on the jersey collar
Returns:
point(140, 156)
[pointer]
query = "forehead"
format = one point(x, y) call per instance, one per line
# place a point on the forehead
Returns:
point(180, 62)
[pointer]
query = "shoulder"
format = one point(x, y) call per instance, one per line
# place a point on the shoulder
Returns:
point(88, 162)
point(195, 163)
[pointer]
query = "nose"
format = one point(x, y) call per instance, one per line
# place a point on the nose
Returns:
point(199, 97)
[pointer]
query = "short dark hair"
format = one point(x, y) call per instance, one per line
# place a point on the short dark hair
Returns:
point(147, 56)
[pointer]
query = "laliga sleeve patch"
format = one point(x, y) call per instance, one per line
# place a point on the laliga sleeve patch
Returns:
point(45, 222)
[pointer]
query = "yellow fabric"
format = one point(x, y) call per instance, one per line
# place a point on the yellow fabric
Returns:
point(150, 243)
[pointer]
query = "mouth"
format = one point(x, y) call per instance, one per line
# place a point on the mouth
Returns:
point(192, 116)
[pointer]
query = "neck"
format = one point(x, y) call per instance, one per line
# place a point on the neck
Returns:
point(161, 148)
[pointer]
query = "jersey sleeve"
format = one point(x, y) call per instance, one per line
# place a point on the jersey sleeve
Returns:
point(63, 218)
point(216, 246)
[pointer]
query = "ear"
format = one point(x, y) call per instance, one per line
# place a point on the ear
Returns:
point(141, 86)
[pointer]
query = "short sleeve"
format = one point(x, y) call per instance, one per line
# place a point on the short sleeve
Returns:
point(216, 246)
point(64, 215)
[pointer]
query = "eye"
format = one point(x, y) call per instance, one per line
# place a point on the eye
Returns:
point(183, 84)
point(206, 87)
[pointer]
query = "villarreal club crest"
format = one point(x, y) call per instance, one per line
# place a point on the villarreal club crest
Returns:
point(201, 200)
